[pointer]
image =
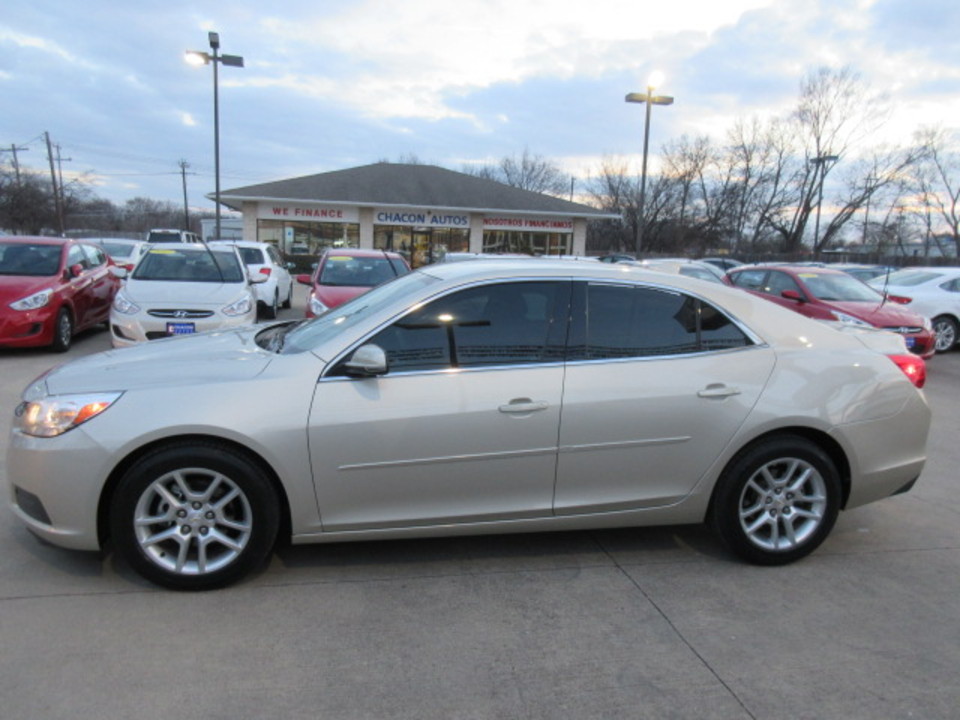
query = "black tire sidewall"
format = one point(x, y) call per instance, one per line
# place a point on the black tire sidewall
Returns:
point(724, 516)
point(247, 476)
point(61, 343)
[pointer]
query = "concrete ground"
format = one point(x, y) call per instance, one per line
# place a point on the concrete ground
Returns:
point(654, 623)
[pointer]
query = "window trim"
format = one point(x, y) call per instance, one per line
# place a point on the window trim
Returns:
point(756, 340)
point(340, 357)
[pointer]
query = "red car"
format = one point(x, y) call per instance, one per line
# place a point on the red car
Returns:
point(52, 288)
point(344, 273)
point(826, 294)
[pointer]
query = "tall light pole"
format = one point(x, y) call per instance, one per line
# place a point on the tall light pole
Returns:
point(820, 161)
point(647, 99)
point(197, 57)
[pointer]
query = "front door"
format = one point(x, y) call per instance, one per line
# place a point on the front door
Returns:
point(462, 428)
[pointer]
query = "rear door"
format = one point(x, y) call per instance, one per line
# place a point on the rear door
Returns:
point(657, 384)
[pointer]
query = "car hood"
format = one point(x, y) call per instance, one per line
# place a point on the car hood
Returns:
point(889, 314)
point(333, 295)
point(180, 294)
point(213, 357)
point(17, 287)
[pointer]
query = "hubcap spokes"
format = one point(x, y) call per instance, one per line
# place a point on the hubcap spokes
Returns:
point(192, 521)
point(782, 504)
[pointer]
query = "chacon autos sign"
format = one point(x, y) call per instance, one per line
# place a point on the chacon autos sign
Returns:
point(421, 218)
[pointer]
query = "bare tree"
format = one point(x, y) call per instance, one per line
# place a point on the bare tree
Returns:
point(940, 178)
point(527, 172)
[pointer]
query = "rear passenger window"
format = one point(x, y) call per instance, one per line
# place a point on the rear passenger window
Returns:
point(628, 321)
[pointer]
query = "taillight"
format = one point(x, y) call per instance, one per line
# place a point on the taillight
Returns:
point(265, 271)
point(899, 299)
point(913, 367)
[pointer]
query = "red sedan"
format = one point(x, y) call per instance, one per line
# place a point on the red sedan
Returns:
point(52, 288)
point(826, 294)
point(344, 273)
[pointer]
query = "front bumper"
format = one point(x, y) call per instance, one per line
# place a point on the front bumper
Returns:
point(55, 486)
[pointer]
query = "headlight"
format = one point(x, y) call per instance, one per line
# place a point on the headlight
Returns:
point(850, 319)
point(123, 306)
point(37, 300)
point(239, 307)
point(317, 307)
point(55, 414)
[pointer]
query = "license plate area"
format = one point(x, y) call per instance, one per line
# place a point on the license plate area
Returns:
point(181, 328)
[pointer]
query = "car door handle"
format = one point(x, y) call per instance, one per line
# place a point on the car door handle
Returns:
point(718, 390)
point(523, 405)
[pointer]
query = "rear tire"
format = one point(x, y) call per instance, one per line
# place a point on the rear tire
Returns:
point(777, 501)
point(270, 311)
point(194, 516)
point(288, 303)
point(945, 329)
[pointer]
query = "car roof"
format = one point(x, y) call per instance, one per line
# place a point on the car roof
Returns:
point(33, 239)
point(791, 269)
point(361, 252)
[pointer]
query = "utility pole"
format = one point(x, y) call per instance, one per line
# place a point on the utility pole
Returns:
point(53, 180)
point(186, 208)
point(63, 195)
point(16, 162)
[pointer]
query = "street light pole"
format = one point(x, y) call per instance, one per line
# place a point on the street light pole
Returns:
point(819, 161)
point(647, 99)
point(197, 57)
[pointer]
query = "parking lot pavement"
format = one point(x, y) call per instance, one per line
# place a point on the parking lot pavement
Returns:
point(649, 623)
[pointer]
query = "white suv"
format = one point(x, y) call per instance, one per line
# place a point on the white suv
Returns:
point(163, 235)
point(264, 259)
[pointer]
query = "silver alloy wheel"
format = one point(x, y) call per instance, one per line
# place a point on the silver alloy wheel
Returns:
point(192, 521)
point(782, 504)
point(64, 329)
point(946, 333)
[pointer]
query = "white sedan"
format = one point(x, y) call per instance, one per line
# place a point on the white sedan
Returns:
point(932, 292)
point(181, 289)
point(502, 396)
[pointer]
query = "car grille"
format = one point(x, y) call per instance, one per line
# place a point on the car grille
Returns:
point(904, 329)
point(181, 314)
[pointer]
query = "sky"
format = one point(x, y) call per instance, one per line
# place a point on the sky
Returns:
point(328, 85)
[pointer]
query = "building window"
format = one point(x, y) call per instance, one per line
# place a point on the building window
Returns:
point(303, 242)
point(527, 243)
point(420, 246)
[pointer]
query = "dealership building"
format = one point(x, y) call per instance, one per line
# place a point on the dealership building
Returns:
point(422, 211)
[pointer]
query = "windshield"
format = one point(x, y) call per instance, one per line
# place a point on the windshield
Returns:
point(840, 288)
point(313, 333)
point(33, 259)
point(350, 271)
point(907, 278)
point(118, 249)
point(185, 266)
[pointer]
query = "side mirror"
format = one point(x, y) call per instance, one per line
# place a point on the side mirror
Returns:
point(257, 278)
point(367, 361)
point(119, 272)
point(792, 295)
point(304, 279)
point(76, 270)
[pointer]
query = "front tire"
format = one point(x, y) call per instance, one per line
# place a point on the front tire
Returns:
point(945, 329)
point(777, 501)
point(62, 331)
point(194, 516)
